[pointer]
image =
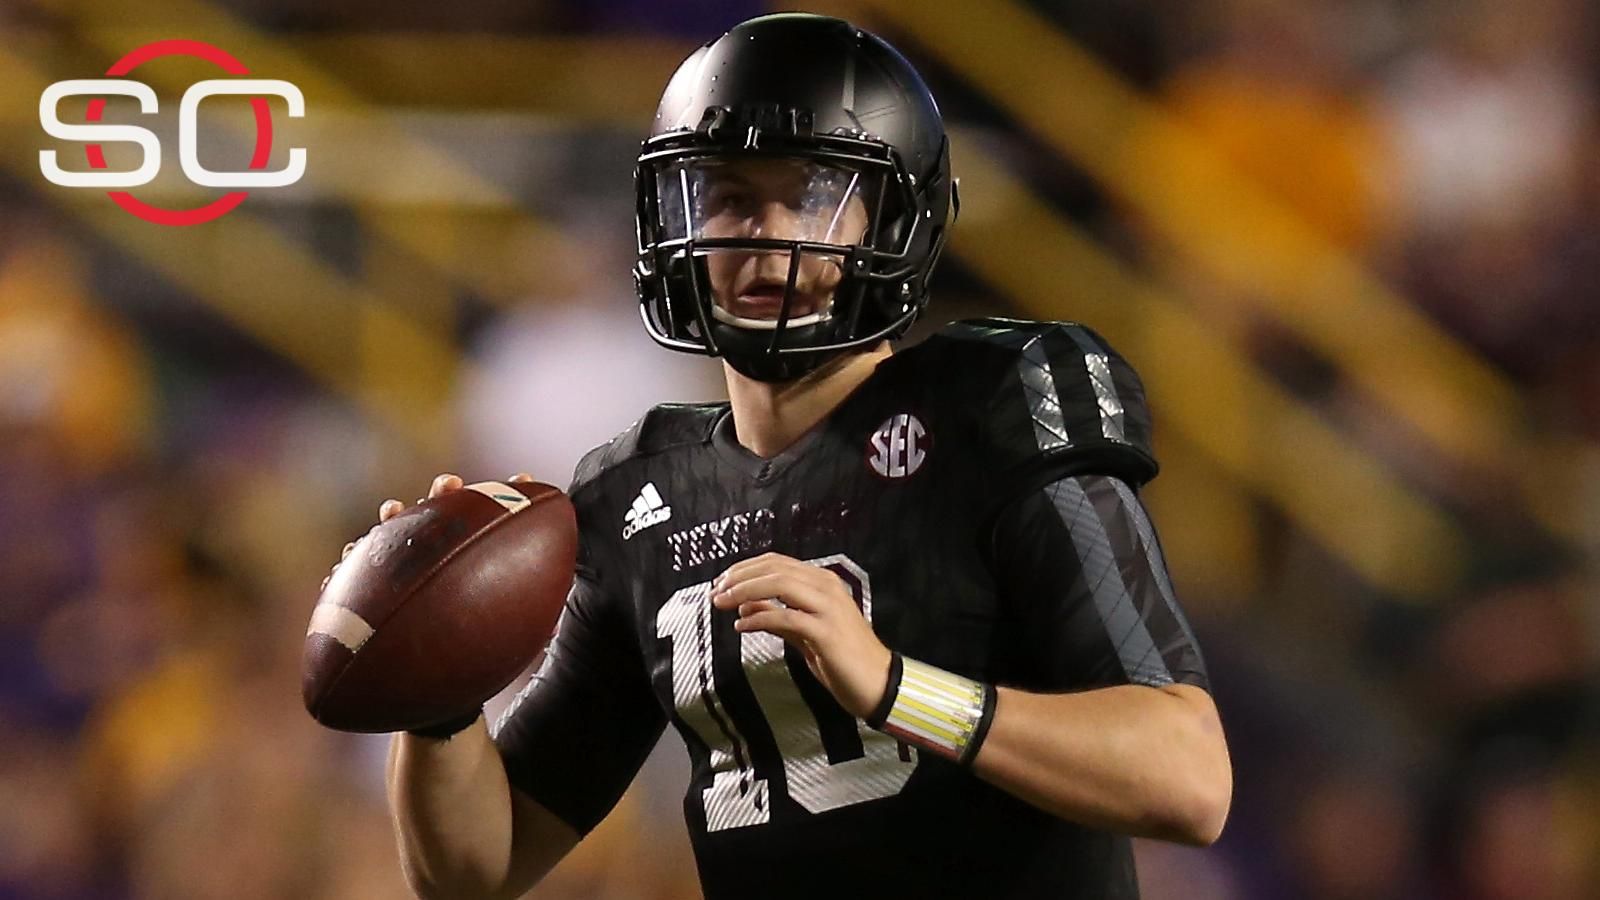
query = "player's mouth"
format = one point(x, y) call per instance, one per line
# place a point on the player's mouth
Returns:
point(764, 300)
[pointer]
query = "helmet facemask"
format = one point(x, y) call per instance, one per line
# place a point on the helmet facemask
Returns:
point(809, 204)
point(776, 252)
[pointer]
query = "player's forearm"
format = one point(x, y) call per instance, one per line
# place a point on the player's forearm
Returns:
point(451, 806)
point(1134, 759)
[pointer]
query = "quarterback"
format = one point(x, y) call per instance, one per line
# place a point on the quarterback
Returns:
point(905, 609)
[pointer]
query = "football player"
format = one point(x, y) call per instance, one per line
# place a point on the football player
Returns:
point(905, 609)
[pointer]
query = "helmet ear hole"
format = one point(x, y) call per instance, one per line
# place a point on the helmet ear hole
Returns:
point(892, 225)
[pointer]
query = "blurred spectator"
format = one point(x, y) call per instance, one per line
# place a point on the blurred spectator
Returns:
point(1489, 114)
point(1492, 120)
point(553, 382)
point(1272, 94)
point(1516, 825)
point(47, 844)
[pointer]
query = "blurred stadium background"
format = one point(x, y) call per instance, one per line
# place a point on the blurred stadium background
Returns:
point(1351, 244)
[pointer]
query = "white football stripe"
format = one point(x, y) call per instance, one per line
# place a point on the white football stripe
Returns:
point(341, 624)
point(503, 494)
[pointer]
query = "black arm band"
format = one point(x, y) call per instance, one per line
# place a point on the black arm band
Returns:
point(880, 714)
point(991, 697)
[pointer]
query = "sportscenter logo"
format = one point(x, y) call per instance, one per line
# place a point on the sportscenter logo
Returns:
point(188, 140)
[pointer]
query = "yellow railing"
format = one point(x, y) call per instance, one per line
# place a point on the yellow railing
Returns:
point(1425, 380)
point(1218, 400)
point(272, 288)
point(387, 342)
point(114, 27)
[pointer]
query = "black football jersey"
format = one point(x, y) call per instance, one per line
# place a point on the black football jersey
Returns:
point(977, 495)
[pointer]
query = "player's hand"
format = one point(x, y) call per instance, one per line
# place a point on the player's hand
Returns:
point(811, 608)
point(388, 509)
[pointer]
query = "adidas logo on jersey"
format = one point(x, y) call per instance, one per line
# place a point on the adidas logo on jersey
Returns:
point(648, 509)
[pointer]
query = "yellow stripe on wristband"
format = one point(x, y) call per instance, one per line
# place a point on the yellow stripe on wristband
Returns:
point(911, 718)
point(937, 677)
point(942, 695)
point(952, 722)
point(935, 709)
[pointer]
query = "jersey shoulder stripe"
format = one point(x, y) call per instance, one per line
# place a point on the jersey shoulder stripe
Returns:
point(1054, 396)
point(665, 426)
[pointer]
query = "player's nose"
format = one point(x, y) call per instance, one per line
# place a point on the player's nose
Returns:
point(776, 221)
point(772, 266)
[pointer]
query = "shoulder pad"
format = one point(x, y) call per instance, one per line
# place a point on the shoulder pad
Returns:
point(663, 427)
point(1058, 399)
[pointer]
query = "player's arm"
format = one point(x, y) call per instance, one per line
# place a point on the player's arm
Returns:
point(463, 831)
point(1143, 750)
point(487, 817)
point(1144, 761)
point(1140, 752)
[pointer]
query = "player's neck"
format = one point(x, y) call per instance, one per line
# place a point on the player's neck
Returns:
point(768, 417)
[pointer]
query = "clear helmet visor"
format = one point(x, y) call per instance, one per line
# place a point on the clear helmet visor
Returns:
point(820, 210)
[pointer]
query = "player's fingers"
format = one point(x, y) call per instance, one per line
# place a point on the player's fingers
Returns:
point(805, 572)
point(520, 477)
point(755, 606)
point(764, 561)
point(823, 585)
point(789, 624)
point(756, 566)
point(346, 551)
point(324, 584)
point(780, 585)
point(443, 483)
point(730, 593)
point(389, 509)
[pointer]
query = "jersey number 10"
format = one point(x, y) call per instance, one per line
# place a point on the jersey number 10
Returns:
point(737, 797)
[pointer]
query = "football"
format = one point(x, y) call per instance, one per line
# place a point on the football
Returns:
point(439, 608)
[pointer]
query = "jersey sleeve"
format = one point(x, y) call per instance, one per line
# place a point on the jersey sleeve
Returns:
point(576, 735)
point(1082, 571)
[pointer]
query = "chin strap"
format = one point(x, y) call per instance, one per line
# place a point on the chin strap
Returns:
point(774, 367)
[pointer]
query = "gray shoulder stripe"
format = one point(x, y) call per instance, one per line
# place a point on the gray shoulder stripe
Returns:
point(1039, 385)
point(1119, 614)
point(1105, 392)
point(1098, 364)
point(1147, 536)
point(1152, 555)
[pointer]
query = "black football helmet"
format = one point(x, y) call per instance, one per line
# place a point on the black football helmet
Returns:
point(792, 198)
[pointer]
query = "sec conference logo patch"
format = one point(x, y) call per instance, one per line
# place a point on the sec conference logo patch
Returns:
point(899, 446)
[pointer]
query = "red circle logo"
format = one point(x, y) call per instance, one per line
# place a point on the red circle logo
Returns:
point(222, 60)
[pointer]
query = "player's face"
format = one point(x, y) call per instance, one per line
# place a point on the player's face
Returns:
point(781, 199)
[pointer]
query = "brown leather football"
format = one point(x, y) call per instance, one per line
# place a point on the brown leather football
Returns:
point(439, 608)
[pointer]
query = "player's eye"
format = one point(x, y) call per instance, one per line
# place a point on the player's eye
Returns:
point(728, 198)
